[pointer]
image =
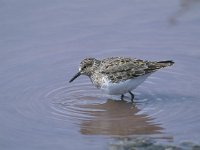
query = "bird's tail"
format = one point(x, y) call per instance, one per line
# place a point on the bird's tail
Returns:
point(165, 63)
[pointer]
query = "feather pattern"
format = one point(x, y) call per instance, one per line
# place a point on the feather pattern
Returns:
point(119, 75)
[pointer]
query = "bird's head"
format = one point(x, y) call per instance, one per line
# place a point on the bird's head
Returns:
point(86, 67)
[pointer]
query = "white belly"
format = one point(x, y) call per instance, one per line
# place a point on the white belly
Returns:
point(122, 87)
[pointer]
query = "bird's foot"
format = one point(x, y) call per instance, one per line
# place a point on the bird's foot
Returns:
point(132, 96)
point(122, 97)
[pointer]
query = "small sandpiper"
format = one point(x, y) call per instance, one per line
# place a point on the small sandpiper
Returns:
point(119, 75)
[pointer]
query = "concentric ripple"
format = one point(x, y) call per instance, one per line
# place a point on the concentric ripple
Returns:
point(95, 113)
point(65, 101)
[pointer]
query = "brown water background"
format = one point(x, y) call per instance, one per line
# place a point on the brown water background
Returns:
point(41, 45)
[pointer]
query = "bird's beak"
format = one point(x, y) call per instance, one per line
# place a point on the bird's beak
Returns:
point(75, 76)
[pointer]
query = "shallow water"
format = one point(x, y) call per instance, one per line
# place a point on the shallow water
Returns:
point(41, 45)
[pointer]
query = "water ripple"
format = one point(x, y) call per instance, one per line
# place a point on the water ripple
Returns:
point(65, 101)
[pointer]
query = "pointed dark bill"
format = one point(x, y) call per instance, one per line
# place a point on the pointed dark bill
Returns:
point(75, 76)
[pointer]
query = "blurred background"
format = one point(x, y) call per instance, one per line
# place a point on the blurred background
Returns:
point(41, 46)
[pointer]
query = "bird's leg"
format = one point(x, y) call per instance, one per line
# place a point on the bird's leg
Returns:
point(122, 97)
point(132, 96)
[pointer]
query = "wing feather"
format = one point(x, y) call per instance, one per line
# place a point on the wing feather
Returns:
point(119, 69)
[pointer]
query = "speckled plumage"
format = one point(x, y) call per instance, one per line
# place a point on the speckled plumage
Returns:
point(117, 70)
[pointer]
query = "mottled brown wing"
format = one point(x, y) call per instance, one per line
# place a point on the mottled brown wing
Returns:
point(119, 69)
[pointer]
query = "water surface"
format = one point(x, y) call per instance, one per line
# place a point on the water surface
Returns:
point(41, 45)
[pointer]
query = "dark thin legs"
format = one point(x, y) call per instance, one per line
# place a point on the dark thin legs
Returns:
point(132, 96)
point(122, 97)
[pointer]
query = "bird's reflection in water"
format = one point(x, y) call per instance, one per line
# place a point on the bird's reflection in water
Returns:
point(117, 118)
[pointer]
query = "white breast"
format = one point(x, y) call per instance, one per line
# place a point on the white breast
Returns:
point(122, 87)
